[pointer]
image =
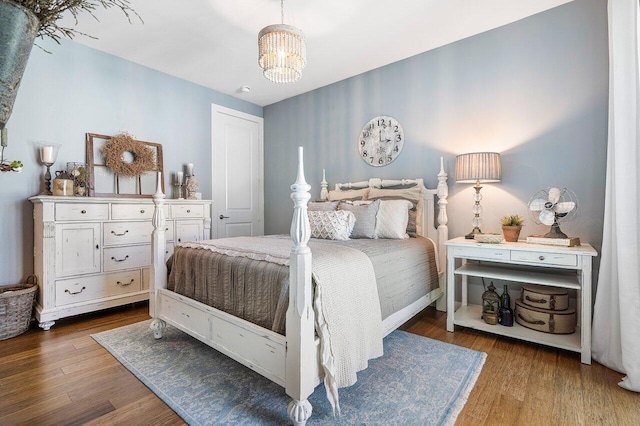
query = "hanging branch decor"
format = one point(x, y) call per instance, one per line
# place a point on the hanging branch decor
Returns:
point(114, 150)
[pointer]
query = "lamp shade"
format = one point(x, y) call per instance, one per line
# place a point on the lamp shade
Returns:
point(478, 166)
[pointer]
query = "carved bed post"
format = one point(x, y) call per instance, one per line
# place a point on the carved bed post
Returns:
point(158, 265)
point(443, 231)
point(324, 188)
point(300, 316)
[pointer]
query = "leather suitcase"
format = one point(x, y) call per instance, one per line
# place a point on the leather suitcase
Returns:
point(545, 320)
point(552, 298)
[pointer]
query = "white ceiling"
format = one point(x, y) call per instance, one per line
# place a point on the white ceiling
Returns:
point(214, 42)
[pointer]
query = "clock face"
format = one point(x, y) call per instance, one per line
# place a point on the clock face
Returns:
point(381, 141)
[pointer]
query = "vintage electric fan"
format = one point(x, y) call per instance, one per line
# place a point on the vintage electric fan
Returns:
point(551, 206)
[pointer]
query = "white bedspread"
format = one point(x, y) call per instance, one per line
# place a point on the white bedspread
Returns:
point(348, 318)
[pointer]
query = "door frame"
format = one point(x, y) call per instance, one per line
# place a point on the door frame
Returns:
point(219, 109)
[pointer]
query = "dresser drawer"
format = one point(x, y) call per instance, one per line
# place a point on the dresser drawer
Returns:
point(560, 259)
point(182, 211)
point(121, 233)
point(82, 211)
point(487, 252)
point(97, 287)
point(131, 211)
point(118, 258)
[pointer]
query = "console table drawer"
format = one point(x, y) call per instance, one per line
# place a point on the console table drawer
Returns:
point(83, 289)
point(560, 259)
point(118, 258)
point(488, 253)
point(82, 211)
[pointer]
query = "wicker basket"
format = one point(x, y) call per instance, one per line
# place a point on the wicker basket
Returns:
point(16, 304)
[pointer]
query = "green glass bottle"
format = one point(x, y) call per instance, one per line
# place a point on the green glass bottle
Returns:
point(505, 299)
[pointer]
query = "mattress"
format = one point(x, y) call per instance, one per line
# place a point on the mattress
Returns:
point(258, 291)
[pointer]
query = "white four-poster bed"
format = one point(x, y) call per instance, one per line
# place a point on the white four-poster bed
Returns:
point(291, 360)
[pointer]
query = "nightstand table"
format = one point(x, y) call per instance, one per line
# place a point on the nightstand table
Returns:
point(566, 267)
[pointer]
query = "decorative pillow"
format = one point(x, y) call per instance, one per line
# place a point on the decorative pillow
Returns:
point(365, 226)
point(352, 194)
point(392, 219)
point(322, 206)
point(413, 194)
point(331, 225)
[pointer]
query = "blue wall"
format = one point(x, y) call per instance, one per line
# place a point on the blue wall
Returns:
point(76, 90)
point(536, 91)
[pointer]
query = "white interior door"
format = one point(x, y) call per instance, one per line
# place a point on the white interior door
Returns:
point(237, 173)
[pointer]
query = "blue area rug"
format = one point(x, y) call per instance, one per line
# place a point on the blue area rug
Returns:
point(418, 381)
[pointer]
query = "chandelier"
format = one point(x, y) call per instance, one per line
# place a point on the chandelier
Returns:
point(282, 51)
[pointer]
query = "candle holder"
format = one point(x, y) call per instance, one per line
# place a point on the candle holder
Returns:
point(177, 193)
point(48, 155)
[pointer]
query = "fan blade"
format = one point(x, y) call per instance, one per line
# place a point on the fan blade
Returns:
point(565, 207)
point(537, 204)
point(554, 195)
point(547, 217)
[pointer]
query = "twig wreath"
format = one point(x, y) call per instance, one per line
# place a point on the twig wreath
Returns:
point(113, 151)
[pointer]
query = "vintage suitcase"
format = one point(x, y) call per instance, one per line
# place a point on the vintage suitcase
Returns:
point(546, 320)
point(552, 298)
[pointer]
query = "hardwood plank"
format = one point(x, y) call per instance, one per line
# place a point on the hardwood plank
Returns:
point(521, 383)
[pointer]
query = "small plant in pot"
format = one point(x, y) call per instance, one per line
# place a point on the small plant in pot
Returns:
point(511, 227)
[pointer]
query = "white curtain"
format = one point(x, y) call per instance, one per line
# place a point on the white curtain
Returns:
point(616, 318)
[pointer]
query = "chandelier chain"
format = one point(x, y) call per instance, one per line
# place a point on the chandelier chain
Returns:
point(282, 11)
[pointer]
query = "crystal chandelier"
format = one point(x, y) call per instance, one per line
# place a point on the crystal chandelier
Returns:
point(282, 51)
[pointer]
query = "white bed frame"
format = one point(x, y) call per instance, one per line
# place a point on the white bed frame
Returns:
point(292, 361)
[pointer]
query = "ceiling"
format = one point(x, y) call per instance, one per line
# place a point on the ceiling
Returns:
point(214, 42)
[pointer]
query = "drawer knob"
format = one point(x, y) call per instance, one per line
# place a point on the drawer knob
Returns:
point(125, 284)
point(141, 211)
point(83, 211)
point(119, 235)
point(75, 292)
point(120, 260)
point(188, 211)
point(97, 247)
point(541, 258)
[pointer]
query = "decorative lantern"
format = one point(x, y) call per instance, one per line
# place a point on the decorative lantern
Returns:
point(490, 305)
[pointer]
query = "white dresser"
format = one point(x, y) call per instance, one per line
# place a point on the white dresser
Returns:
point(95, 253)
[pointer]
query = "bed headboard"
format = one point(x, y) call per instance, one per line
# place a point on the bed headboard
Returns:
point(427, 223)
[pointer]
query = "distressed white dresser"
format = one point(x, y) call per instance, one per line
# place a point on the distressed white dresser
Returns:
point(95, 253)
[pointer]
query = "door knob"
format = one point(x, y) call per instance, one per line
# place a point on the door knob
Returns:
point(224, 217)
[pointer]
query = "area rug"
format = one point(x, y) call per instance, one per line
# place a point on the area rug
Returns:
point(418, 381)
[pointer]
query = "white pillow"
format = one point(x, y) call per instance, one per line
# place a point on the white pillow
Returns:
point(392, 219)
point(331, 225)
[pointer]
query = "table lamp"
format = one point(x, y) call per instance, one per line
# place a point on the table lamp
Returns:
point(478, 167)
point(48, 155)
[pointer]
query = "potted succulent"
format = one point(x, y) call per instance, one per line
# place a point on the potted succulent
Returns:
point(21, 21)
point(511, 227)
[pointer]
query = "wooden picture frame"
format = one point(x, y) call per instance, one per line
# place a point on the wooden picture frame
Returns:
point(104, 183)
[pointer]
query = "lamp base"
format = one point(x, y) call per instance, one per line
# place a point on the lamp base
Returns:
point(471, 235)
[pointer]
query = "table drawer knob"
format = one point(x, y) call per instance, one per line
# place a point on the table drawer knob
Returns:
point(188, 211)
point(541, 257)
point(83, 211)
point(142, 211)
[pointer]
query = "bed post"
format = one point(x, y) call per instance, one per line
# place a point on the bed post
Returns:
point(324, 188)
point(300, 316)
point(443, 233)
point(158, 266)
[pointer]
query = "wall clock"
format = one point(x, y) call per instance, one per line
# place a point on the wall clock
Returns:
point(380, 141)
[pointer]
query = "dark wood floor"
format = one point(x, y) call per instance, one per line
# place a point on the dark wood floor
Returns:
point(64, 377)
